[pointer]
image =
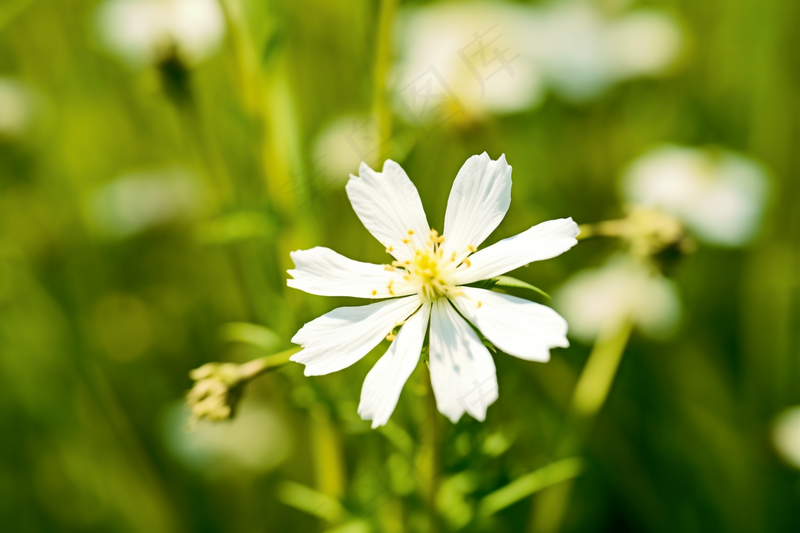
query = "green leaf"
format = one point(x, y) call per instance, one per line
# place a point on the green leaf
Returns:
point(484, 284)
point(514, 283)
point(311, 501)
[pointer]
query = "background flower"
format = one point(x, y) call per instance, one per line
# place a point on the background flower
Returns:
point(143, 31)
point(583, 51)
point(467, 72)
point(599, 299)
point(484, 58)
point(718, 194)
point(17, 108)
point(786, 435)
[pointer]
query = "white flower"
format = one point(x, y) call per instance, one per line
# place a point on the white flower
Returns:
point(494, 58)
point(583, 51)
point(719, 195)
point(428, 279)
point(600, 299)
point(786, 435)
point(141, 31)
point(141, 200)
point(255, 442)
point(466, 72)
point(16, 108)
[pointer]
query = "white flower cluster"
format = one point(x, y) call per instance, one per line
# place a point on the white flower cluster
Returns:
point(501, 57)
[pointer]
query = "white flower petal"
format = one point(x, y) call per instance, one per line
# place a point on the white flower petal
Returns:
point(324, 272)
point(342, 337)
point(478, 202)
point(462, 371)
point(388, 205)
point(384, 382)
point(542, 241)
point(518, 327)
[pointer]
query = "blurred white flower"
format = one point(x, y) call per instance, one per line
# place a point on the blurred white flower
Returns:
point(498, 58)
point(582, 51)
point(141, 32)
point(719, 195)
point(472, 57)
point(428, 280)
point(600, 299)
point(786, 435)
point(256, 441)
point(342, 145)
point(16, 108)
point(138, 201)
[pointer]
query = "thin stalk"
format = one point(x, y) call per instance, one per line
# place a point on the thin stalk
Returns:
point(588, 398)
point(608, 228)
point(429, 458)
point(383, 62)
point(256, 367)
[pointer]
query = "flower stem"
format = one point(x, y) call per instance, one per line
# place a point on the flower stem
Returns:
point(256, 367)
point(598, 375)
point(588, 398)
point(608, 228)
point(383, 61)
point(428, 457)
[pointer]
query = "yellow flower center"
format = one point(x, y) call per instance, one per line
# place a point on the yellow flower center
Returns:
point(429, 271)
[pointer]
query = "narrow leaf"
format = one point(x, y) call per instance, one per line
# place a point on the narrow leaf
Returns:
point(310, 501)
point(528, 484)
point(514, 283)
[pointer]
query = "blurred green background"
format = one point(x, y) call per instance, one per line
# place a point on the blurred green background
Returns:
point(146, 207)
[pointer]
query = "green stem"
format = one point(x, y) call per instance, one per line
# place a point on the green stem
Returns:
point(383, 61)
point(598, 375)
point(430, 458)
point(256, 367)
point(588, 398)
point(608, 228)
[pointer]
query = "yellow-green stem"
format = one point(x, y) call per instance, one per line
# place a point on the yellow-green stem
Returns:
point(588, 398)
point(383, 62)
point(429, 457)
point(608, 228)
point(256, 367)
